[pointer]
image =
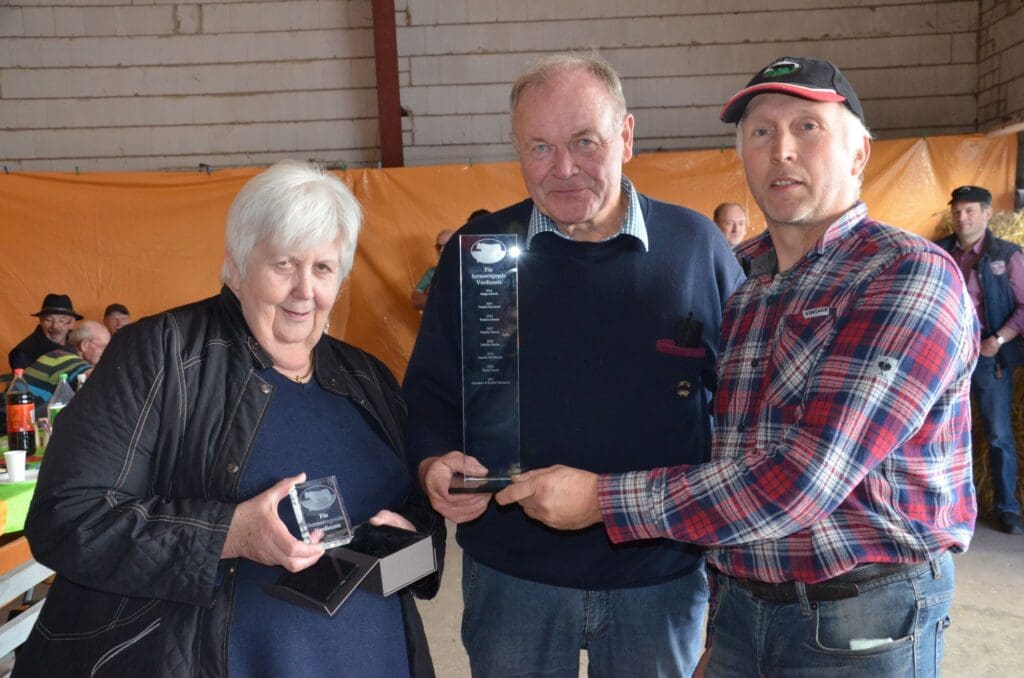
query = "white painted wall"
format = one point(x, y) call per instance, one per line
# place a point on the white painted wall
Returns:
point(155, 84)
point(115, 84)
point(914, 64)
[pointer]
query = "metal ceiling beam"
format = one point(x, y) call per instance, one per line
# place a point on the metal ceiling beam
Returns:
point(389, 105)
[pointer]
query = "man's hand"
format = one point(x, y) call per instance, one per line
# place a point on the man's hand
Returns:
point(559, 496)
point(989, 347)
point(436, 477)
point(257, 533)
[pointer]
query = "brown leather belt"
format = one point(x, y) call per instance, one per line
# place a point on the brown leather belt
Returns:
point(847, 585)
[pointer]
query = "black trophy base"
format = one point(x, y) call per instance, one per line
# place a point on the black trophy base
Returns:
point(464, 485)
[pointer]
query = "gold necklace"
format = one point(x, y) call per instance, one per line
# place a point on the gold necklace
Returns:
point(301, 378)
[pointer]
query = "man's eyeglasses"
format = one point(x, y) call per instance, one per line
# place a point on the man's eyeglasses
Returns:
point(56, 320)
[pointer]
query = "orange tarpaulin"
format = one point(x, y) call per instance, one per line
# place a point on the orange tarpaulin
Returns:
point(156, 240)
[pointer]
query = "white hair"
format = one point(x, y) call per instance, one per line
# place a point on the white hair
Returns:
point(292, 204)
point(854, 131)
point(79, 335)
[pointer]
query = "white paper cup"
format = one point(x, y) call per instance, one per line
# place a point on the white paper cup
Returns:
point(15, 460)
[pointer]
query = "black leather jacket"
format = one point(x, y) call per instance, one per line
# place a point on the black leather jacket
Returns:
point(139, 485)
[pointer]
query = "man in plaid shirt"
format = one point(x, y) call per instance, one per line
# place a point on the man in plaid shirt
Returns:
point(840, 479)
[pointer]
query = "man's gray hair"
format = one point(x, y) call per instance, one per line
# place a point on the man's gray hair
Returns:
point(79, 334)
point(553, 64)
point(292, 204)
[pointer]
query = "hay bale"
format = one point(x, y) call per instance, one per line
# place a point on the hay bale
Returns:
point(982, 477)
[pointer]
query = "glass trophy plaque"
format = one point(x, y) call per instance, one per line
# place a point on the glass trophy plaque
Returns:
point(490, 359)
point(318, 507)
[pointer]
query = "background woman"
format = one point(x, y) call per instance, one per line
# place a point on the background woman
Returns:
point(160, 504)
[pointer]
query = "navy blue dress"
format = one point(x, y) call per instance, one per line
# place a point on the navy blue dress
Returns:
point(307, 428)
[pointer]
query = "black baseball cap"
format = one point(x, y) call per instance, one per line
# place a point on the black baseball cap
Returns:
point(802, 77)
point(971, 194)
point(116, 308)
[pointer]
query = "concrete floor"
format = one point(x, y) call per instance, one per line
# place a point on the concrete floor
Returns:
point(985, 639)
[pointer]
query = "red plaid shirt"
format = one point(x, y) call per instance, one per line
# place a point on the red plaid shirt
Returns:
point(842, 414)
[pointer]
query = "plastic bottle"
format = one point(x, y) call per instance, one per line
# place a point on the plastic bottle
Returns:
point(21, 430)
point(61, 397)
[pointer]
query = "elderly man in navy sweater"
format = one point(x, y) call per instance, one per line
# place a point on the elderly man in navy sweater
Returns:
point(605, 277)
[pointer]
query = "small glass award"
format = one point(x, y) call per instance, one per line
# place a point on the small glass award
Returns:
point(318, 506)
point(490, 359)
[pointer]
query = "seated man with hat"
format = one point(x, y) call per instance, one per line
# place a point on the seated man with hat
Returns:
point(55, 318)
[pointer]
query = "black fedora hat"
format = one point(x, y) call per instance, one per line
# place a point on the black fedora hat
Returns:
point(57, 304)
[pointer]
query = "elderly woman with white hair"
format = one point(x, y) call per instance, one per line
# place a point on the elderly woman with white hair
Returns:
point(159, 503)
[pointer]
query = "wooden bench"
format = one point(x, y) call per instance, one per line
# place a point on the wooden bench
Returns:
point(20, 574)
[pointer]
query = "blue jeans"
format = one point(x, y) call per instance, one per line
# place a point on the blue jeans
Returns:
point(893, 629)
point(995, 399)
point(515, 627)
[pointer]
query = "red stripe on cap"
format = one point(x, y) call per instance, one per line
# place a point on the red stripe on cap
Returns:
point(812, 93)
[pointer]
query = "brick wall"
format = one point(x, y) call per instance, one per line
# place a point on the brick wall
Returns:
point(914, 64)
point(1001, 64)
point(115, 84)
point(150, 84)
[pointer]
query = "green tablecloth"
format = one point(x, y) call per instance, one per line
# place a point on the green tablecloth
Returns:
point(17, 497)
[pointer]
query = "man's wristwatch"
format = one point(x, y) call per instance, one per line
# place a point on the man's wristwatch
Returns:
point(999, 339)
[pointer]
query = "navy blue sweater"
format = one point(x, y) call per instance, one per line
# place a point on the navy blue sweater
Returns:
point(307, 428)
point(595, 391)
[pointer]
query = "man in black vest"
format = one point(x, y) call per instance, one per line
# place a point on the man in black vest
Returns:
point(994, 271)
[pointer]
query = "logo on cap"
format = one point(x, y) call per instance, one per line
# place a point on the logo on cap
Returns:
point(804, 77)
point(779, 69)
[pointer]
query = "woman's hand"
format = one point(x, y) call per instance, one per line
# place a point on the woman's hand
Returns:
point(257, 533)
point(385, 517)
